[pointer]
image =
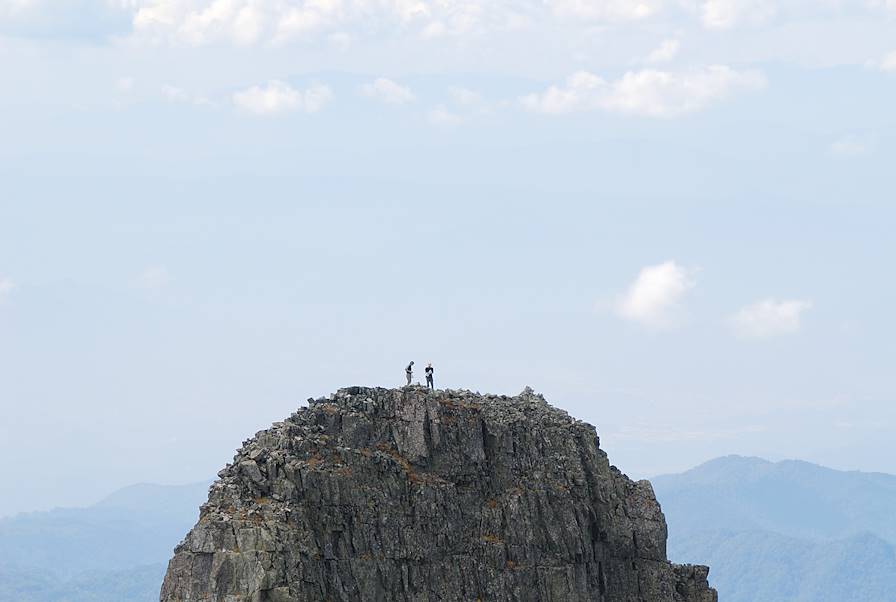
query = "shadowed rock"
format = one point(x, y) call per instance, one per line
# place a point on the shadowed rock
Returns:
point(411, 495)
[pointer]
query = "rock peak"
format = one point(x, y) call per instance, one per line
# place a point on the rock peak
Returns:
point(416, 495)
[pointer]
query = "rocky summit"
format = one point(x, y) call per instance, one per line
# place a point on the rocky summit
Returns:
point(414, 495)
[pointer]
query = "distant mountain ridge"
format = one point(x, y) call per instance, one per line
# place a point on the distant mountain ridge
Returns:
point(112, 551)
point(786, 531)
point(136, 584)
point(155, 499)
point(760, 566)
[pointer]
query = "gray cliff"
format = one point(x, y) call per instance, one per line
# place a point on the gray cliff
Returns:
point(411, 495)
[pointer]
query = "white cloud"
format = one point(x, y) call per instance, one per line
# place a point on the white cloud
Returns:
point(459, 18)
point(654, 298)
point(388, 91)
point(275, 97)
point(266, 22)
point(177, 95)
point(465, 97)
point(848, 147)
point(769, 318)
point(245, 22)
point(889, 62)
point(664, 94)
point(279, 97)
point(583, 91)
point(464, 106)
point(649, 92)
point(887, 4)
point(197, 22)
point(340, 22)
point(441, 116)
point(606, 10)
point(435, 29)
point(153, 279)
point(724, 14)
point(6, 287)
point(664, 53)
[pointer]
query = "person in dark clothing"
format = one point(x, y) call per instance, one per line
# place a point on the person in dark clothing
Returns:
point(429, 372)
point(409, 372)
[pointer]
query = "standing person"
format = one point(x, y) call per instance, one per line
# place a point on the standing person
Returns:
point(429, 372)
point(409, 372)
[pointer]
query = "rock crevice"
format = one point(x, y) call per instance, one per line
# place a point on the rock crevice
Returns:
point(414, 495)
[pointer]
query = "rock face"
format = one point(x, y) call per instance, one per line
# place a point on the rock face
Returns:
point(410, 495)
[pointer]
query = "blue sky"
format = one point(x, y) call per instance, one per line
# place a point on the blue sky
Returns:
point(673, 218)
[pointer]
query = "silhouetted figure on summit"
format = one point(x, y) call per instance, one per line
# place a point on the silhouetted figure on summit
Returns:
point(429, 372)
point(409, 372)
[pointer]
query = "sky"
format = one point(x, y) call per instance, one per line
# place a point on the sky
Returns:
point(673, 218)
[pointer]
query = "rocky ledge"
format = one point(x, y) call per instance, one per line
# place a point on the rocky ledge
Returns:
point(411, 495)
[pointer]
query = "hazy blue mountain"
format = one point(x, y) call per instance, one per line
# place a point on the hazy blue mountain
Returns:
point(137, 584)
point(158, 500)
point(791, 497)
point(115, 550)
point(786, 531)
point(757, 566)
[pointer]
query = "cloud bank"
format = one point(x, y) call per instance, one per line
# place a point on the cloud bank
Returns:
point(725, 14)
point(277, 97)
point(769, 318)
point(647, 93)
point(249, 22)
point(664, 53)
point(606, 10)
point(274, 22)
point(387, 91)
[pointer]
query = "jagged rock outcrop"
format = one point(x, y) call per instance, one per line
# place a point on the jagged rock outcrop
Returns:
point(410, 495)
